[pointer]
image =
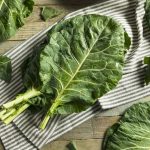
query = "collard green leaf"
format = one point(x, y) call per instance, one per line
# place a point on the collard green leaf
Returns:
point(40, 103)
point(132, 131)
point(109, 134)
point(147, 75)
point(127, 41)
point(12, 16)
point(72, 146)
point(147, 12)
point(84, 58)
point(5, 68)
point(30, 68)
point(49, 13)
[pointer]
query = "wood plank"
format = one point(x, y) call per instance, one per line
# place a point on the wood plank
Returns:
point(65, 2)
point(7, 45)
point(88, 136)
point(88, 144)
point(83, 131)
point(101, 124)
point(35, 16)
point(93, 128)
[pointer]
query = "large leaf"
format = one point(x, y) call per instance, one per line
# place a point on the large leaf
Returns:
point(12, 16)
point(132, 131)
point(5, 68)
point(84, 58)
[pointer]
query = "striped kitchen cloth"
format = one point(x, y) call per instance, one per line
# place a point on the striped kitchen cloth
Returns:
point(23, 133)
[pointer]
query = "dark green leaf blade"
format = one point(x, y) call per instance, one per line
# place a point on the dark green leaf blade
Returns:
point(5, 69)
point(84, 58)
point(133, 130)
point(109, 134)
point(75, 106)
point(72, 146)
point(12, 16)
point(49, 13)
point(127, 41)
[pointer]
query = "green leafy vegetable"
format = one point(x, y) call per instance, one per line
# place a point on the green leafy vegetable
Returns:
point(147, 12)
point(147, 76)
point(5, 68)
point(49, 13)
point(72, 146)
point(81, 61)
point(132, 131)
point(12, 16)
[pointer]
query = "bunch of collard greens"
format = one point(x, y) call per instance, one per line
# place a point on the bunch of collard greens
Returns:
point(82, 60)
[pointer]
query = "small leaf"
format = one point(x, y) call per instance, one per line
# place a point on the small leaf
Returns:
point(72, 146)
point(147, 75)
point(127, 41)
point(49, 13)
point(147, 60)
point(5, 69)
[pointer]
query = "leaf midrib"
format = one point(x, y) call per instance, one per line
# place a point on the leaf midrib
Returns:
point(59, 96)
point(2, 2)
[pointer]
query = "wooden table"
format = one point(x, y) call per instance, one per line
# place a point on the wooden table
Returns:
point(89, 135)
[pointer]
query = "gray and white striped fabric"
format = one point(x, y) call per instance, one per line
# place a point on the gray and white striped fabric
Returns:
point(23, 133)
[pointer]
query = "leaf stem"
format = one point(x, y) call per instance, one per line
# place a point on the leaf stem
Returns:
point(20, 98)
point(7, 114)
point(2, 112)
point(49, 114)
point(19, 111)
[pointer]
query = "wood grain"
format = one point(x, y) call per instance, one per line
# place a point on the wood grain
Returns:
point(88, 136)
